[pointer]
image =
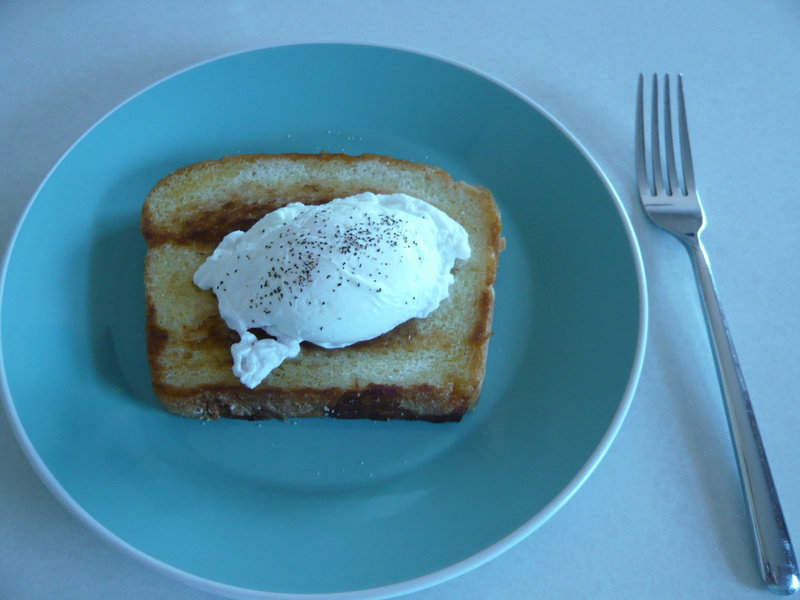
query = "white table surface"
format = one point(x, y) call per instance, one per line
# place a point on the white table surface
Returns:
point(662, 515)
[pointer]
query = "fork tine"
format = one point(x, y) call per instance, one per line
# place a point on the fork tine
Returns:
point(655, 151)
point(641, 162)
point(673, 185)
point(683, 132)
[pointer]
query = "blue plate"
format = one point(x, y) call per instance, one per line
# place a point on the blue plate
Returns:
point(322, 506)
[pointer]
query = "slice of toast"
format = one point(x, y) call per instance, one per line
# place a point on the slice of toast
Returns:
point(430, 369)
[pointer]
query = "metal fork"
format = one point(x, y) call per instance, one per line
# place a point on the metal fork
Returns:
point(672, 202)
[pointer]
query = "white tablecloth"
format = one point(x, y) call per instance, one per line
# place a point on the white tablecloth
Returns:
point(662, 515)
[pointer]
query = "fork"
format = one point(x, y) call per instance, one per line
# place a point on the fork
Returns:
point(672, 202)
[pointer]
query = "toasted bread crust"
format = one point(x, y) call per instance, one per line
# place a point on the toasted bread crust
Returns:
point(375, 401)
point(186, 215)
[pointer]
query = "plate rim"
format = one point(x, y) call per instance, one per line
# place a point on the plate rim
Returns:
point(418, 583)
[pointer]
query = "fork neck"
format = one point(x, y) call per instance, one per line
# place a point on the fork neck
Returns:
point(692, 242)
point(696, 250)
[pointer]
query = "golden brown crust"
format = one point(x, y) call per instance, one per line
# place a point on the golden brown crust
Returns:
point(186, 215)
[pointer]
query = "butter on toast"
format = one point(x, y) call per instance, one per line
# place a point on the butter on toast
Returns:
point(431, 369)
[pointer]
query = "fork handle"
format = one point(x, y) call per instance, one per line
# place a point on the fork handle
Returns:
point(775, 553)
